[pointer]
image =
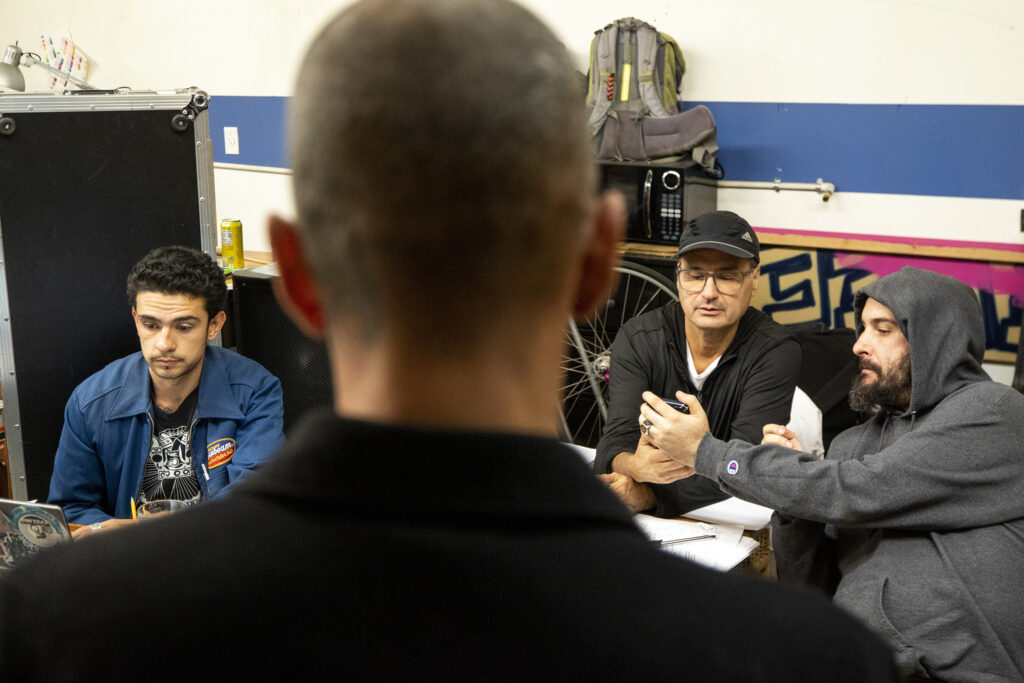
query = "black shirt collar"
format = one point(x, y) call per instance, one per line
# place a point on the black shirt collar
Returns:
point(381, 467)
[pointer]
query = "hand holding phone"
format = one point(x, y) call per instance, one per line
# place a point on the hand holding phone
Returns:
point(645, 425)
point(681, 407)
point(676, 436)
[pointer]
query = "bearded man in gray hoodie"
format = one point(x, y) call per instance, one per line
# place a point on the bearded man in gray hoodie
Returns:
point(914, 521)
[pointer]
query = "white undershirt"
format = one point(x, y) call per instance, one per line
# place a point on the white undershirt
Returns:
point(805, 415)
point(698, 379)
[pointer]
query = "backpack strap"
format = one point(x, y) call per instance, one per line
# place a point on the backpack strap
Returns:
point(649, 41)
point(706, 156)
point(602, 79)
point(675, 67)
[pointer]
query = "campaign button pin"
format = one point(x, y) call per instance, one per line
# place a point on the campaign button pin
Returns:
point(733, 467)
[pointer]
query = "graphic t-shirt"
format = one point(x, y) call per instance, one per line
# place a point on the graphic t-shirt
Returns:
point(169, 473)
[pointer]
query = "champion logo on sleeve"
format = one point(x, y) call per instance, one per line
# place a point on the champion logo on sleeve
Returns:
point(733, 467)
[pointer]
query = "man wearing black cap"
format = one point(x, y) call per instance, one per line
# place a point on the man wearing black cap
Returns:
point(712, 344)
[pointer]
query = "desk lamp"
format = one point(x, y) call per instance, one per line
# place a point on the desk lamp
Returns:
point(11, 76)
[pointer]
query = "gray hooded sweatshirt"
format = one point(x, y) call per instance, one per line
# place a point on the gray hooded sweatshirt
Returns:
point(914, 519)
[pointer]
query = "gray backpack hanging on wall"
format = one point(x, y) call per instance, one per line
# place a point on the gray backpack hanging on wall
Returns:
point(633, 98)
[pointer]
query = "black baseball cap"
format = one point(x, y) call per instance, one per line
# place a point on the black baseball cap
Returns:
point(722, 231)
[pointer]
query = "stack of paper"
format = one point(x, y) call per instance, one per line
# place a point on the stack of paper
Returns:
point(726, 547)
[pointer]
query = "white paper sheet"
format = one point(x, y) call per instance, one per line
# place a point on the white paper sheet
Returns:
point(725, 551)
point(750, 516)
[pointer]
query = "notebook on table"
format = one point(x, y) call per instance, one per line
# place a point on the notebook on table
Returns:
point(26, 528)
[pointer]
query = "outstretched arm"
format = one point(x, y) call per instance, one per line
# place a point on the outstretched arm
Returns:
point(960, 466)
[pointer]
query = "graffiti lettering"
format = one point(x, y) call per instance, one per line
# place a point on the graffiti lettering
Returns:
point(810, 285)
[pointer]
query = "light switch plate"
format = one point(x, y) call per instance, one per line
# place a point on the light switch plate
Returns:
point(231, 140)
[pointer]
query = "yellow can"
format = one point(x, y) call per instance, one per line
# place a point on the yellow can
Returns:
point(231, 244)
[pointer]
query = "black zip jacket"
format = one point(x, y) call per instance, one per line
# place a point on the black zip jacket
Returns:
point(751, 387)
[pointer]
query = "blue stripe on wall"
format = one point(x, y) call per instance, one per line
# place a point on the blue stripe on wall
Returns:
point(942, 150)
point(938, 150)
point(260, 123)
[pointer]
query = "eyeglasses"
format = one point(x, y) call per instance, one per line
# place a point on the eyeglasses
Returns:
point(727, 282)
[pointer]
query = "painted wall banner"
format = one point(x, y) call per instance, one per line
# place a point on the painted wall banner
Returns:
point(929, 150)
point(818, 285)
point(934, 150)
point(261, 129)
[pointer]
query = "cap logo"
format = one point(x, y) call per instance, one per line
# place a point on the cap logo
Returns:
point(747, 237)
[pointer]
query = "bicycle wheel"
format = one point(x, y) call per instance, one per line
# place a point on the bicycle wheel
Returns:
point(588, 349)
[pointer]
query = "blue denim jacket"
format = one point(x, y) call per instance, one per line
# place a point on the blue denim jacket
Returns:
point(107, 431)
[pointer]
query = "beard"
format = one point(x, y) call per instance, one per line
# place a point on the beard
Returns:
point(891, 388)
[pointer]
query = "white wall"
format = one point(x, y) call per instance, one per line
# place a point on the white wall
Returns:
point(250, 197)
point(880, 51)
point(856, 51)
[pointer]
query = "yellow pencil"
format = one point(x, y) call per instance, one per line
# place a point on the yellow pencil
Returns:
point(133, 508)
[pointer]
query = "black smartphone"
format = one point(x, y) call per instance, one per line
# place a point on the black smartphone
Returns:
point(681, 407)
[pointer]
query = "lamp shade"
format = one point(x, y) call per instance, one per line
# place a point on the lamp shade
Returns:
point(10, 75)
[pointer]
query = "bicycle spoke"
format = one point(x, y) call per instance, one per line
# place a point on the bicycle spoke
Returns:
point(650, 300)
point(588, 347)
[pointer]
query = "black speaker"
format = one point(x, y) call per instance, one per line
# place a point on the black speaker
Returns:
point(266, 334)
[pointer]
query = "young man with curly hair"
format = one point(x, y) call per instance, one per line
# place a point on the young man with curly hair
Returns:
point(180, 419)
